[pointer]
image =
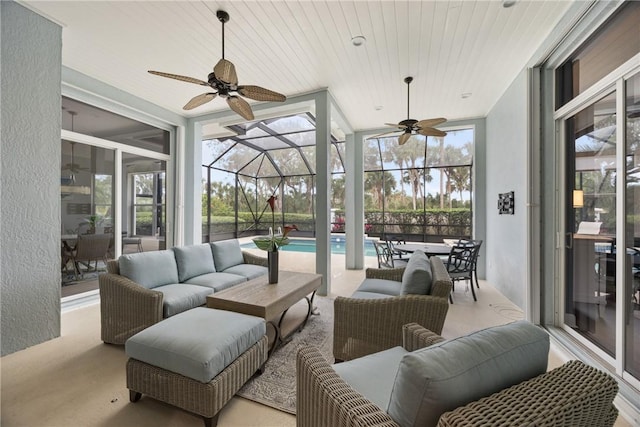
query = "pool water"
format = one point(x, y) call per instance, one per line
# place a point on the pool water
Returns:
point(338, 246)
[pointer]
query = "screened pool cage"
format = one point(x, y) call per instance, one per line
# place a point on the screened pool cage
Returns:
point(420, 191)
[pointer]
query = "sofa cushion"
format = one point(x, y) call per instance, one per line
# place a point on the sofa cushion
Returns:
point(250, 271)
point(452, 373)
point(416, 278)
point(380, 286)
point(179, 297)
point(198, 343)
point(217, 281)
point(150, 269)
point(226, 253)
point(193, 260)
point(377, 388)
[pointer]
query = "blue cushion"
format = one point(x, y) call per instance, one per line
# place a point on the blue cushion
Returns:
point(150, 269)
point(377, 388)
point(416, 278)
point(226, 253)
point(380, 286)
point(217, 281)
point(179, 297)
point(250, 271)
point(455, 372)
point(198, 343)
point(193, 260)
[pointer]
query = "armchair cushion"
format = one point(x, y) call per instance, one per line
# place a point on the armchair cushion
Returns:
point(150, 269)
point(455, 372)
point(194, 260)
point(226, 253)
point(368, 295)
point(416, 278)
point(380, 286)
point(373, 375)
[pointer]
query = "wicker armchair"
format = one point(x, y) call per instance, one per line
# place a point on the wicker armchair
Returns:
point(127, 308)
point(572, 395)
point(365, 326)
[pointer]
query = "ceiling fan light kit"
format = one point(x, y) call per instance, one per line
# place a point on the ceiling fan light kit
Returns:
point(414, 127)
point(224, 81)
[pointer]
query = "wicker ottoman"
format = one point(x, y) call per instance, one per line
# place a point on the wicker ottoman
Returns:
point(196, 360)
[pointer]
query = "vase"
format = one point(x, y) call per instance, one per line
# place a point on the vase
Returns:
point(272, 266)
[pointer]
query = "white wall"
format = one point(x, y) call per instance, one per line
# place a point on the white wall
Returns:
point(506, 166)
point(30, 178)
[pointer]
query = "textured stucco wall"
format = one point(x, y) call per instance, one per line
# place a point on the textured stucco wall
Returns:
point(506, 170)
point(30, 68)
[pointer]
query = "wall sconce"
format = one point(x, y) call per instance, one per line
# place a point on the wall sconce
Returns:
point(578, 198)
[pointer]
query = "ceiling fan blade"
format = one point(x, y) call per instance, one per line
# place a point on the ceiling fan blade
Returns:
point(431, 132)
point(260, 94)
point(431, 122)
point(240, 106)
point(395, 125)
point(403, 138)
point(381, 134)
point(179, 77)
point(198, 100)
point(226, 72)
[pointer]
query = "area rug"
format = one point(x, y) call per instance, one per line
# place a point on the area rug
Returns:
point(276, 387)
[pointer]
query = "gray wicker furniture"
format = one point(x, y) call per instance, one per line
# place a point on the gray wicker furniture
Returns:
point(572, 395)
point(160, 284)
point(371, 319)
point(196, 360)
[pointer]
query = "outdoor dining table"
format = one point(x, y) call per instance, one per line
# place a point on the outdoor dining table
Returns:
point(430, 249)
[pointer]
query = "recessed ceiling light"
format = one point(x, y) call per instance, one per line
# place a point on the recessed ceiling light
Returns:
point(466, 95)
point(508, 3)
point(358, 40)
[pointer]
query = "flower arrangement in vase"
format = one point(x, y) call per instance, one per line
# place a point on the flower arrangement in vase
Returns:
point(272, 242)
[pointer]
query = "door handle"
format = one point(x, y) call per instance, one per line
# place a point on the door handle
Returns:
point(569, 241)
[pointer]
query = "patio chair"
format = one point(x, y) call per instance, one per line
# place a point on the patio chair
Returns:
point(385, 256)
point(475, 263)
point(461, 263)
point(126, 240)
point(88, 248)
point(397, 254)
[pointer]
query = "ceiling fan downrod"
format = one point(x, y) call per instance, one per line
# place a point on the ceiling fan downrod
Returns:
point(408, 81)
point(222, 17)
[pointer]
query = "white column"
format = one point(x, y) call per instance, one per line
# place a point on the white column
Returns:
point(323, 190)
point(354, 202)
point(192, 184)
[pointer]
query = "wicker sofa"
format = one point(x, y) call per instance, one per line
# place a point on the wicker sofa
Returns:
point(141, 289)
point(495, 377)
point(371, 319)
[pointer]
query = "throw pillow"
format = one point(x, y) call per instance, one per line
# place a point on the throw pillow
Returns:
point(416, 278)
point(452, 373)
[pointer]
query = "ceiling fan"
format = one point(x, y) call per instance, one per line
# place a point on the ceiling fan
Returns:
point(224, 81)
point(73, 167)
point(411, 126)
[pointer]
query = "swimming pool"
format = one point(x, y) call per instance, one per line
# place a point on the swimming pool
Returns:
point(338, 246)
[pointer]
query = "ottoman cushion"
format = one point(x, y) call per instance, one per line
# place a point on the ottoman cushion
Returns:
point(198, 343)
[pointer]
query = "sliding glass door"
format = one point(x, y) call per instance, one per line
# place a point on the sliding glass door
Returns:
point(591, 286)
point(631, 290)
point(114, 191)
point(602, 225)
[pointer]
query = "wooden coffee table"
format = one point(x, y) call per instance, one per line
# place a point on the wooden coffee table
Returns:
point(258, 298)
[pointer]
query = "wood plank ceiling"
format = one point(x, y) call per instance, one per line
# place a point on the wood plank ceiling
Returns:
point(295, 47)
